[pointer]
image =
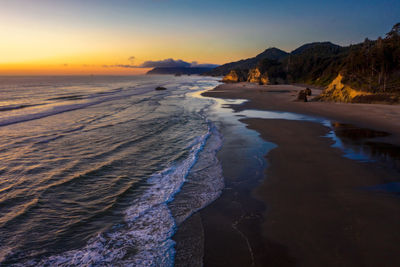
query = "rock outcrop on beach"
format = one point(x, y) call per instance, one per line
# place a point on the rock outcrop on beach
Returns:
point(339, 92)
point(235, 76)
point(368, 72)
point(254, 76)
point(264, 79)
point(302, 96)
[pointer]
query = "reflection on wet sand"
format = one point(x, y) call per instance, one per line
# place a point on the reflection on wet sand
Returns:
point(362, 141)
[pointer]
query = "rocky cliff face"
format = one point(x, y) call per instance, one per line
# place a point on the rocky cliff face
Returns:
point(252, 76)
point(264, 79)
point(339, 92)
point(235, 76)
point(231, 77)
point(255, 76)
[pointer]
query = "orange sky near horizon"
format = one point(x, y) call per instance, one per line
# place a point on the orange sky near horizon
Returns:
point(29, 49)
point(39, 47)
point(48, 58)
point(37, 69)
point(75, 37)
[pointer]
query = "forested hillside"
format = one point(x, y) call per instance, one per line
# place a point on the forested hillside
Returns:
point(365, 72)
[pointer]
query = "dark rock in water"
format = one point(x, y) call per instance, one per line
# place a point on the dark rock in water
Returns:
point(308, 91)
point(160, 88)
point(302, 95)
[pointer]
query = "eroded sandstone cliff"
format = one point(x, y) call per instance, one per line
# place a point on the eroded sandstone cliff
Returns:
point(235, 76)
point(339, 92)
point(253, 76)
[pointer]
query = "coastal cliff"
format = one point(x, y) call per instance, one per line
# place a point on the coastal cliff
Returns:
point(368, 72)
point(256, 76)
point(235, 76)
point(252, 76)
point(339, 92)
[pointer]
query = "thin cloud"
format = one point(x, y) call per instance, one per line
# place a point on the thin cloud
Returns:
point(131, 59)
point(166, 63)
point(127, 66)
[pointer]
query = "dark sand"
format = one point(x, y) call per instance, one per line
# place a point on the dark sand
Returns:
point(281, 98)
point(232, 224)
point(311, 208)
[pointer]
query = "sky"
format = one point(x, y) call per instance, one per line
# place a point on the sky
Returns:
point(126, 37)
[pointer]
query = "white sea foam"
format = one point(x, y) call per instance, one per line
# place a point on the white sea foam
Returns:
point(204, 183)
point(57, 108)
point(145, 237)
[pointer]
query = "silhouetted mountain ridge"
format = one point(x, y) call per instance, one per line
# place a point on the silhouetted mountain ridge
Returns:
point(270, 53)
point(318, 47)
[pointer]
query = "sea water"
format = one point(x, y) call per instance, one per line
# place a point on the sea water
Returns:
point(90, 166)
point(103, 170)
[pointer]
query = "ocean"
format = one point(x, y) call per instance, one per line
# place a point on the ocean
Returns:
point(108, 171)
point(90, 167)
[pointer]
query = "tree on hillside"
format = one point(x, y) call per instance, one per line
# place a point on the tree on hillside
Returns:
point(395, 32)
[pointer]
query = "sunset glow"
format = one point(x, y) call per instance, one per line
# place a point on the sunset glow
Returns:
point(75, 37)
point(160, 133)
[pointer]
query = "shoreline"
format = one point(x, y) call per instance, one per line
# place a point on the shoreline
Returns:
point(382, 117)
point(314, 211)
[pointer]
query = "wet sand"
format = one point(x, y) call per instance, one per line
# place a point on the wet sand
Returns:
point(281, 98)
point(232, 224)
point(316, 205)
point(312, 207)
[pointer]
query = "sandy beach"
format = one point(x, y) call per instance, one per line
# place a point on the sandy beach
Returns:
point(281, 98)
point(313, 206)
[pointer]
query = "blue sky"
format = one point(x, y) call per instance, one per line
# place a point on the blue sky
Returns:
point(206, 31)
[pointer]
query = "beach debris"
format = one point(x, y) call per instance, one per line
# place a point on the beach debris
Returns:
point(160, 88)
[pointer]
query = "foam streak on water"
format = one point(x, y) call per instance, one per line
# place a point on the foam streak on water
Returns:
point(145, 238)
point(112, 174)
point(53, 109)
